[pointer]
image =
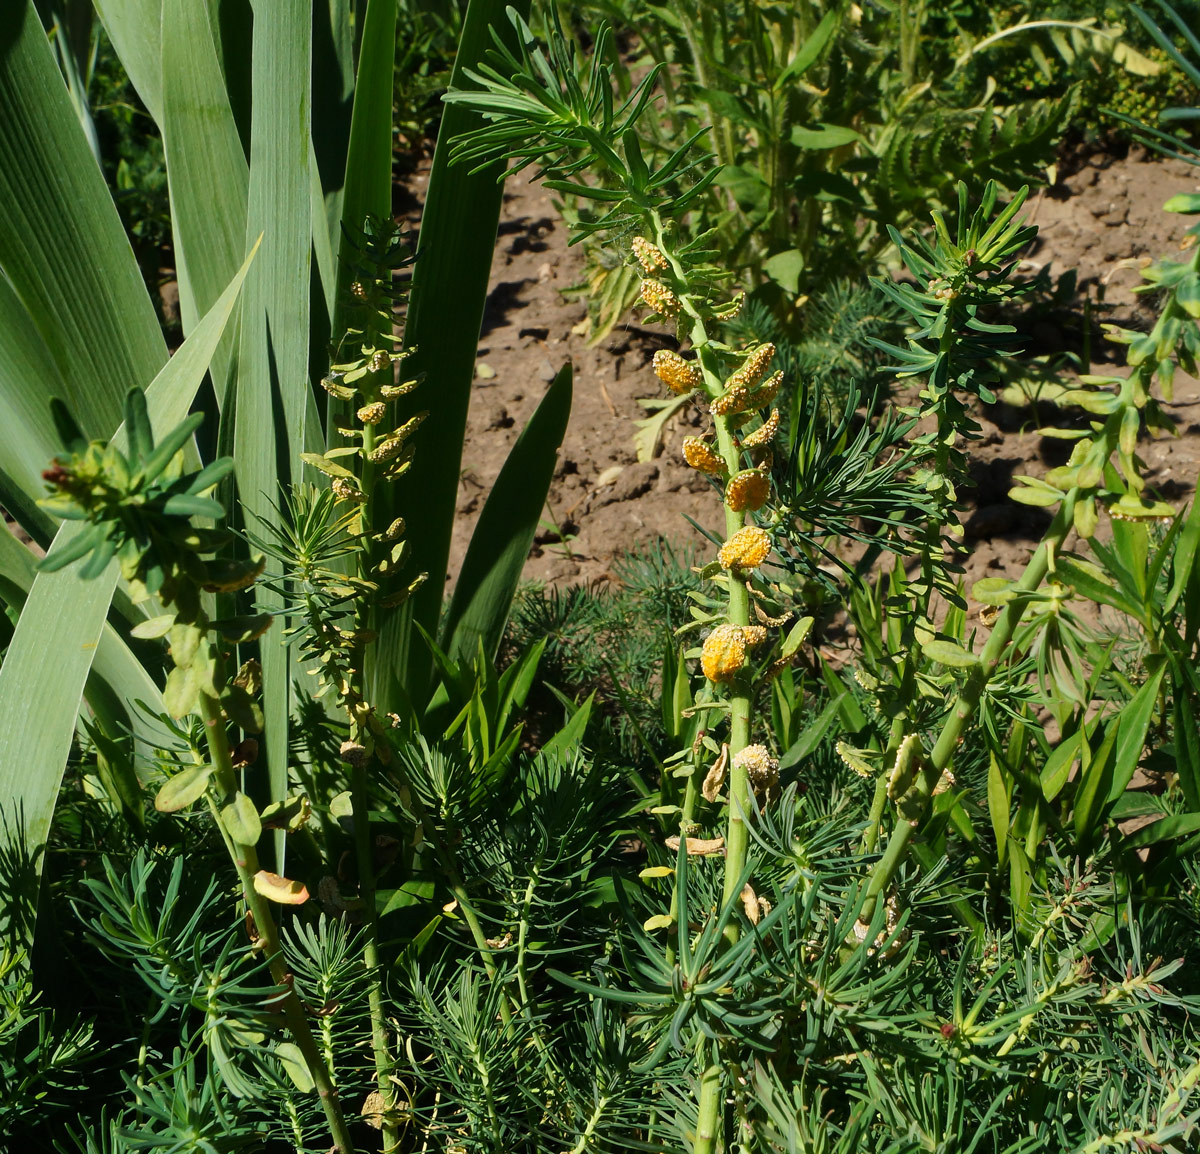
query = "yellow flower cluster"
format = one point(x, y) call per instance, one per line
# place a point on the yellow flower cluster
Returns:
point(699, 454)
point(746, 549)
point(724, 652)
point(679, 375)
point(753, 367)
point(747, 490)
point(660, 299)
point(761, 768)
point(764, 434)
point(649, 257)
point(373, 413)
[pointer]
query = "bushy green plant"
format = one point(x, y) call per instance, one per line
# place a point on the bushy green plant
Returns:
point(809, 908)
point(829, 122)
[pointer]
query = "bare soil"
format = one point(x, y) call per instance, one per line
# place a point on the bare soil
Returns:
point(1100, 221)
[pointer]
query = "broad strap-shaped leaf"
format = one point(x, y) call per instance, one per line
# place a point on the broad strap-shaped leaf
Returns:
point(449, 288)
point(205, 164)
point(367, 190)
point(62, 247)
point(505, 531)
point(57, 635)
point(274, 400)
point(28, 378)
point(368, 184)
point(133, 28)
point(117, 679)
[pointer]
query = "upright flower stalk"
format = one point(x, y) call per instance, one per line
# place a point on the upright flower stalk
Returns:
point(737, 389)
point(366, 385)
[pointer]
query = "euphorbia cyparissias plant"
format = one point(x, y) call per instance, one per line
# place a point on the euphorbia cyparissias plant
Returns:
point(138, 506)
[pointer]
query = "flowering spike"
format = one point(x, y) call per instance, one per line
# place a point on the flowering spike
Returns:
point(649, 257)
point(747, 490)
point(660, 299)
point(746, 549)
point(679, 375)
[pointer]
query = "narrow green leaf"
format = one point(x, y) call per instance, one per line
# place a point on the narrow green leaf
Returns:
point(1095, 781)
point(568, 739)
point(133, 28)
point(999, 801)
point(1057, 769)
point(506, 527)
point(811, 49)
point(813, 733)
point(1133, 725)
point(1162, 830)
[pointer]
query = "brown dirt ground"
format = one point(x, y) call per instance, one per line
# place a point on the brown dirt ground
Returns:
point(1100, 220)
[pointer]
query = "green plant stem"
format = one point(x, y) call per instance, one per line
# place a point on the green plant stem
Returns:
point(711, 1084)
point(363, 842)
point(885, 868)
point(687, 817)
point(522, 941)
point(457, 885)
point(245, 860)
point(737, 835)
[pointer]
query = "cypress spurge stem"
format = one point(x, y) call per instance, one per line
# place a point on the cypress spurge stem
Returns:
point(245, 861)
point(967, 701)
point(732, 401)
